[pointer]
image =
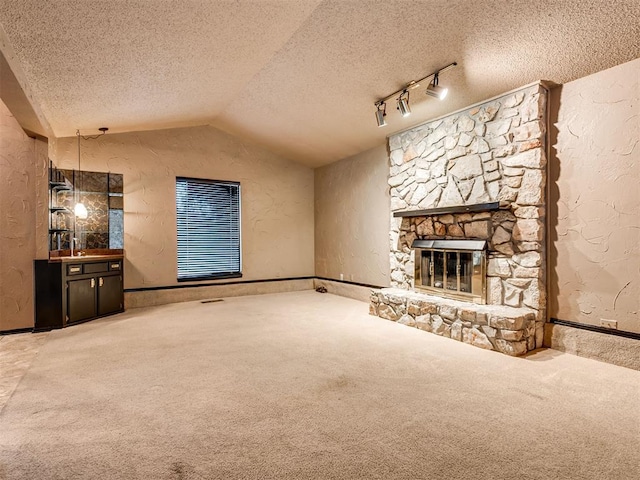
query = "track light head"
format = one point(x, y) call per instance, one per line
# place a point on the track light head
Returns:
point(403, 104)
point(435, 90)
point(381, 113)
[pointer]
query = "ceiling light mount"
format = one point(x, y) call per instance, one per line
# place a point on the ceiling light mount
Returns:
point(103, 130)
point(433, 90)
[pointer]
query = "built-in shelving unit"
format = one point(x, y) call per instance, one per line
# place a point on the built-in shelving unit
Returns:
point(58, 226)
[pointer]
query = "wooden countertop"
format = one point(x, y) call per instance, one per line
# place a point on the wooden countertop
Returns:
point(88, 255)
point(86, 258)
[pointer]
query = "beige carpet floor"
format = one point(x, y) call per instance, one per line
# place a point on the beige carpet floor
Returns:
point(308, 386)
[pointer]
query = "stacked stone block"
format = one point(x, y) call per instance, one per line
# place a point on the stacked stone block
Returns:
point(506, 330)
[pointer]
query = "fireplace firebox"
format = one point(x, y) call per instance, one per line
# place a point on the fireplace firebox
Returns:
point(451, 268)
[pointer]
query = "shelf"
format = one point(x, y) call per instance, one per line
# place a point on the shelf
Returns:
point(110, 194)
point(60, 186)
point(59, 209)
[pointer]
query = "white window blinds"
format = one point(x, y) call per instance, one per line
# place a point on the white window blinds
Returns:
point(208, 221)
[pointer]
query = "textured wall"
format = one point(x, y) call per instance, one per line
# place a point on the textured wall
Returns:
point(352, 218)
point(17, 223)
point(595, 221)
point(277, 198)
point(42, 199)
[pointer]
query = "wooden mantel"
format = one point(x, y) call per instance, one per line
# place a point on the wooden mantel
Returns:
point(477, 207)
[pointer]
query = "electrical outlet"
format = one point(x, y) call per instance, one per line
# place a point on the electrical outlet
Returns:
point(606, 323)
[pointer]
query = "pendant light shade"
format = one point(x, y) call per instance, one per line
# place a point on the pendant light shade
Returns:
point(80, 211)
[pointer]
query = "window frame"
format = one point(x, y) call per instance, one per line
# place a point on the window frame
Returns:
point(214, 276)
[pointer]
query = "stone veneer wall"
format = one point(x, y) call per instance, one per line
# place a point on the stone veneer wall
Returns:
point(493, 152)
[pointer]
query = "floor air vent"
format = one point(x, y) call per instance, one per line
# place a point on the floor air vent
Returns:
point(213, 300)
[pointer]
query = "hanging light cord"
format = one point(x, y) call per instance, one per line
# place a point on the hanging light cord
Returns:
point(92, 137)
point(103, 130)
point(78, 135)
point(77, 194)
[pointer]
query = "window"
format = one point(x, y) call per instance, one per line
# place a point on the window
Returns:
point(208, 221)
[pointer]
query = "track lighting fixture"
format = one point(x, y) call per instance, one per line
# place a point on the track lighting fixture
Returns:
point(381, 112)
point(433, 90)
point(403, 104)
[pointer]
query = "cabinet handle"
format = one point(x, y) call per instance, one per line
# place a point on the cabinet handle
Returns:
point(93, 282)
point(101, 281)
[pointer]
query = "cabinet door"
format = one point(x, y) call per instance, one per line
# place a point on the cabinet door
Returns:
point(110, 294)
point(81, 299)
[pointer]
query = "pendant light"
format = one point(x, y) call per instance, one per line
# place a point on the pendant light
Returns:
point(79, 210)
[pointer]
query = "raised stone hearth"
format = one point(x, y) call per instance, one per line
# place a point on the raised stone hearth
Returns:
point(504, 329)
point(441, 175)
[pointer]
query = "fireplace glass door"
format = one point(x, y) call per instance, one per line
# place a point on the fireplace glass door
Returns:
point(438, 269)
point(452, 273)
point(453, 267)
point(466, 271)
point(427, 266)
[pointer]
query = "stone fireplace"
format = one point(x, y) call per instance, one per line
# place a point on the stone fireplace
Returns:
point(467, 232)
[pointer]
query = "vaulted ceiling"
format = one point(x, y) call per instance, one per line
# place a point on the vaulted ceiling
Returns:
point(299, 77)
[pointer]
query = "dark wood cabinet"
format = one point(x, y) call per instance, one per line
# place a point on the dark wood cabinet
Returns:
point(81, 300)
point(109, 294)
point(75, 290)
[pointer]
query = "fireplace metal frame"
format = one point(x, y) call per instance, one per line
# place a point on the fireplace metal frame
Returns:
point(452, 246)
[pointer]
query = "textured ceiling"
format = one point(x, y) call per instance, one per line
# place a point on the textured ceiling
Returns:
point(298, 77)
